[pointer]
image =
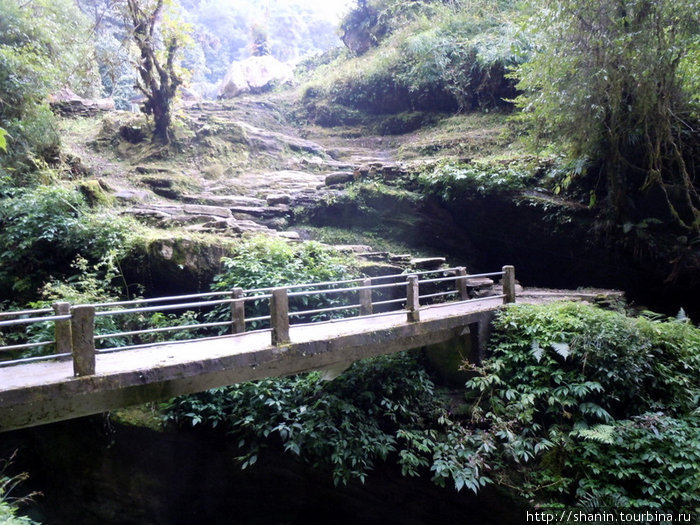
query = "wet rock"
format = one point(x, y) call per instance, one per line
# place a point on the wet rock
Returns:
point(162, 186)
point(339, 177)
point(131, 195)
point(266, 140)
point(385, 170)
point(377, 269)
point(228, 201)
point(291, 235)
point(200, 209)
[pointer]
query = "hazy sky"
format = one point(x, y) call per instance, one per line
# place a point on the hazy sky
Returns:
point(332, 9)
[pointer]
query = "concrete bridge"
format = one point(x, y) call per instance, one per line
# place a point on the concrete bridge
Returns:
point(391, 314)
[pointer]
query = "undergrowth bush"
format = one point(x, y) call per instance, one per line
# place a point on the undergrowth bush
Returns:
point(264, 262)
point(446, 58)
point(345, 426)
point(575, 406)
point(586, 403)
point(43, 230)
point(453, 180)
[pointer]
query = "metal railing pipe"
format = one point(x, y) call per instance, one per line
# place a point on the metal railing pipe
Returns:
point(323, 310)
point(32, 320)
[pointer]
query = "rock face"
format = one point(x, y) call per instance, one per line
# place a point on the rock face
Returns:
point(253, 75)
point(68, 104)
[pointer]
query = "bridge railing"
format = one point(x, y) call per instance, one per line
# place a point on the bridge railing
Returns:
point(74, 326)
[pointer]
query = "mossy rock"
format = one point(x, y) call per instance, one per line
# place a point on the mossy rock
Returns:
point(94, 194)
point(404, 123)
point(331, 115)
point(177, 262)
point(169, 185)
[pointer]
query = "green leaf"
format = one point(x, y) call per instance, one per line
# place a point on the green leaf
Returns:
point(562, 349)
point(536, 350)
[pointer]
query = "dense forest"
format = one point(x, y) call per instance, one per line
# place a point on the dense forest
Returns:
point(163, 147)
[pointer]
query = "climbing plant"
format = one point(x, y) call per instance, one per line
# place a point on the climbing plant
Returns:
point(613, 82)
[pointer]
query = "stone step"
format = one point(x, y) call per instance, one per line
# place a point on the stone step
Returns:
point(479, 282)
point(427, 263)
point(224, 200)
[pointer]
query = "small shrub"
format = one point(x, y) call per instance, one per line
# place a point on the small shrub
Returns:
point(263, 262)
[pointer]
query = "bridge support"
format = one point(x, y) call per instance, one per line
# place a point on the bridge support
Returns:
point(461, 283)
point(366, 298)
point(83, 336)
point(279, 316)
point(509, 284)
point(237, 312)
point(412, 299)
point(62, 329)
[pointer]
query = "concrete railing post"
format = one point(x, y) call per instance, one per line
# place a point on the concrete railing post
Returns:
point(237, 312)
point(509, 284)
point(83, 338)
point(412, 299)
point(279, 316)
point(366, 298)
point(461, 283)
point(62, 330)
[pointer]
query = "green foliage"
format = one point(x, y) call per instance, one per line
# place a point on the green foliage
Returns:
point(43, 230)
point(576, 405)
point(612, 82)
point(8, 516)
point(453, 181)
point(438, 57)
point(42, 48)
point(589, 402)
point(651, 460)
point(263, 262)
point(345, 426)
point(8, 504)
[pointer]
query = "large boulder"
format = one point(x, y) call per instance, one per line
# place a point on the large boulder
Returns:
point(253, 75)
point(67, 104)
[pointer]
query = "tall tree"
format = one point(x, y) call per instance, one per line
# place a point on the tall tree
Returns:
point(158, 78)
point(615, 83)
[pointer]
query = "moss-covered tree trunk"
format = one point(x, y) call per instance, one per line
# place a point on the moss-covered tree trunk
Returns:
point(158, 82)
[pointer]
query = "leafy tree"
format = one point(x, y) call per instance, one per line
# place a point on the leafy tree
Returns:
point(42, 48)
point(615, 82)
point(158, 72)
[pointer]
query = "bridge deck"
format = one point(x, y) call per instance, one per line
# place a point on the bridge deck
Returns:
point(184, 352)
point(42, 392)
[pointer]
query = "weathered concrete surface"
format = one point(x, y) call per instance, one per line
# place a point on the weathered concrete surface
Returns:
point(39, 393)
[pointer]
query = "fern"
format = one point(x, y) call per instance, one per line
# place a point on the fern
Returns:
point(601, 433)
